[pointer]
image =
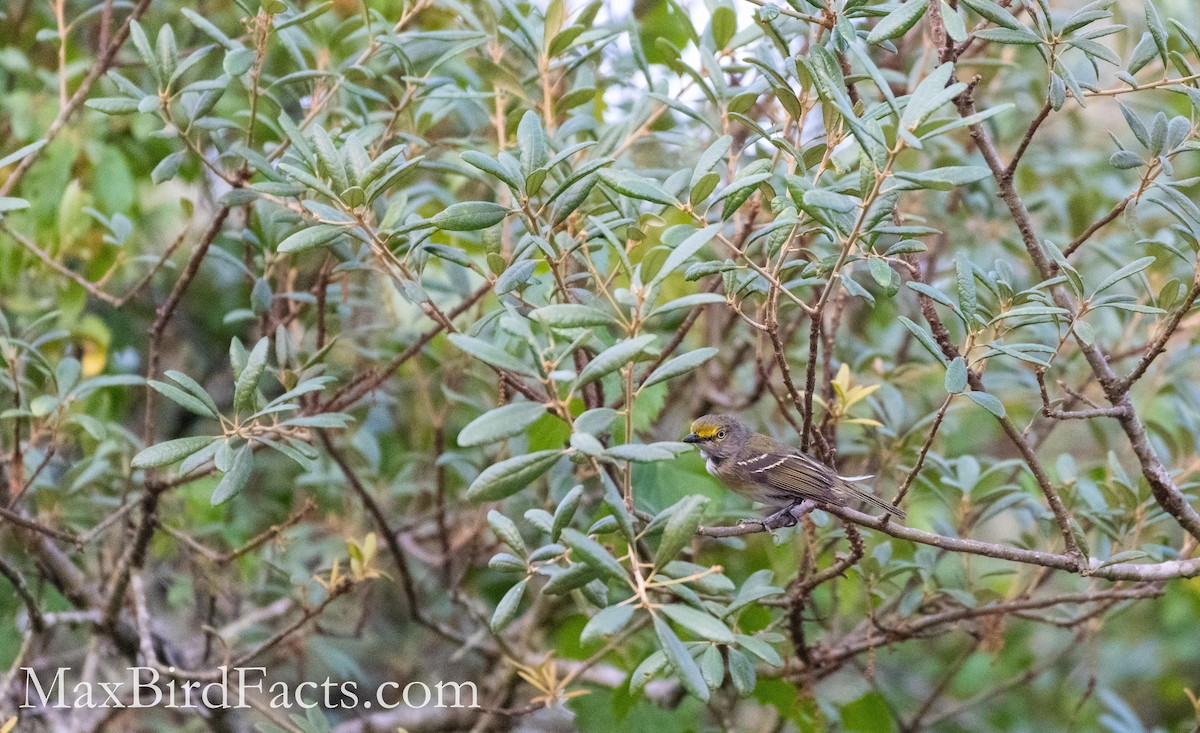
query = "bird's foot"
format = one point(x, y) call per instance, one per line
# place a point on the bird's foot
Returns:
point(783, 518)
point(763, 522)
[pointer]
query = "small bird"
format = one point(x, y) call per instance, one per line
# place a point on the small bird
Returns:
point(762, 469)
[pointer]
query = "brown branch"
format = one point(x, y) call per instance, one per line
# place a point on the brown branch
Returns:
point(36, 621)
point(1099, 224)
point(913, 628)
point(1058, 414)
point(1159, 344)
point(365, 383)
point(1166, 493)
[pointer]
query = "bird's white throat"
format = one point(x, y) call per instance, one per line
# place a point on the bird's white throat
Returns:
point(708, 464)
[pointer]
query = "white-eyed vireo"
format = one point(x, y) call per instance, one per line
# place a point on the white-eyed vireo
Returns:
point(762, 469)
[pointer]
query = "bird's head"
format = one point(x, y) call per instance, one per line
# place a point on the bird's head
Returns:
point(719, 436)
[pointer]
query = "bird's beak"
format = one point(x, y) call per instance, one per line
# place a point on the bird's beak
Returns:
point(692, 438)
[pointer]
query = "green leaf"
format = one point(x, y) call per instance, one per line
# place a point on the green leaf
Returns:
point(594, 554)
point(638, 453)
point(688, 301)
point(1030, 311)
point(684, 251)
point(636, 187)
point(701, 624)
point(679, 365)
point(565, 512)
point(993, 12)
point(956, 27)
point(515, 276)
point(760, 649)
point(1157, 30)
point(613, 358)
point(723, 25)
point(10, 203)
point(507, 531)
point(682, 522)
point(741, 670)
point(881, 272)
point(1143, 53)
point(171, 451)
point(925, 339)
point(596, 421)
point(491, 354)
point(43, 405)
point(1126, 159)
point(944, 179)
point(138, 36)
point(822, 199)
point(571, 315)
point(646, 671)
point(236, 478)
point(492, 167)
point(507, 609)
point(182, 398)
point(310, 237)
point(1126, 556)
point(898, 22)
point(332, 420)
point(987, 402)
point(956, 376)
point(502, 422)
point(1021, 37)
point(680, 660)
point(247, 380)
point(934, 91)
point(573, 577)
point(964, 278)
point(503, 479)
point(469, 216)
point(1127, 271)
point(299, 18)
point(113, 105)
point(531, 140)
point(606, 623)
point(21, 153)
point(238, 61)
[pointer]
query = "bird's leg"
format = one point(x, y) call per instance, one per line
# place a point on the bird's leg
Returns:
point(785, 517)
point(765, 523)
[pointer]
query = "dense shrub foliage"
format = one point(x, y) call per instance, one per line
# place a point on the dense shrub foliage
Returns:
point(356, 341)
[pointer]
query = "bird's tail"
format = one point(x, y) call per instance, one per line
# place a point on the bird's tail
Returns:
point(848, 484)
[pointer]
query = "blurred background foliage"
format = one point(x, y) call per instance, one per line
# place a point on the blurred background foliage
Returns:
point(356, 340)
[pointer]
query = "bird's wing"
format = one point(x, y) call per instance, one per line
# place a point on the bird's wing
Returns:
point(792, 476)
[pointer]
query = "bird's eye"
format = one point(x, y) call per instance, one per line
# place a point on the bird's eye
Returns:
point(720, 435)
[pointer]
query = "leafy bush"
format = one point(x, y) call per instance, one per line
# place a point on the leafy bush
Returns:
point(356, 341)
